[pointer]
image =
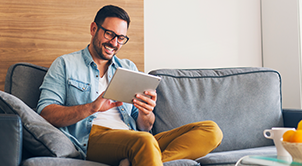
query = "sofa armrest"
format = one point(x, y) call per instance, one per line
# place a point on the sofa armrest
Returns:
point(10, 139)
point(291, 117)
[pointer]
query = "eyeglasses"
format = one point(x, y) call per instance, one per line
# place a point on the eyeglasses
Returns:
point(110, 35)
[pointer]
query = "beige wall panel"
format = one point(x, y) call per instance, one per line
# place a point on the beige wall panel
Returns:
point(37, 31)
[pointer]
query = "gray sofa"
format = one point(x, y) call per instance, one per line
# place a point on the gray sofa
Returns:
point(242, 101)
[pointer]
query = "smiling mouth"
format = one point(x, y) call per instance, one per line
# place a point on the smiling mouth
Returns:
point(109, 49)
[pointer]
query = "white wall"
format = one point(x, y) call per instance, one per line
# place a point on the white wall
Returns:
point(227, 33)
point(281, 46)
point(202, 33)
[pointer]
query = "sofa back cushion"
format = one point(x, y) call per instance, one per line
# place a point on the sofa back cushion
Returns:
point(23, 81)
point(242, 101)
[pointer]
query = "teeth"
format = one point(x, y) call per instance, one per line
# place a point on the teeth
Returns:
point(108, 48)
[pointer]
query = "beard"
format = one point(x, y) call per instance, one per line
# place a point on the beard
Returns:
point(98, 47)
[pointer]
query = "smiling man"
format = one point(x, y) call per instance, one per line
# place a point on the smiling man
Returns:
point(110, 131)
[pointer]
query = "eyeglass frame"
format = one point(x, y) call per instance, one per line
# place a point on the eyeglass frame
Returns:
point(115, 35)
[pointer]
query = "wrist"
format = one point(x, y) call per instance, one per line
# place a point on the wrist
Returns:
point(90, 108)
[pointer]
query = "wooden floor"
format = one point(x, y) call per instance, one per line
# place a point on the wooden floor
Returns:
point(38, 31)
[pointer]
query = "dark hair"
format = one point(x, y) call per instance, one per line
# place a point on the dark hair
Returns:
point(111, 11)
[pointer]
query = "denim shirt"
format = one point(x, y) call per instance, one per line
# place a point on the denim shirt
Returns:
point(73, 79)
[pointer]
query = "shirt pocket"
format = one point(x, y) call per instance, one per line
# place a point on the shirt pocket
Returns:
point(78, 92)
point(82, 86)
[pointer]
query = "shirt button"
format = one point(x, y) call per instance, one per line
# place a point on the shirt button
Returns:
point(84, 144)
point(122, 109)
point(97, 92)
point(97, 76)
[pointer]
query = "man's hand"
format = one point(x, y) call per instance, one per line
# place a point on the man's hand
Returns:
point(146, 117)
point(101, 104)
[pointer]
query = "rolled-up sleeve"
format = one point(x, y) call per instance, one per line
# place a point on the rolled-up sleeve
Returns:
point(53, 88)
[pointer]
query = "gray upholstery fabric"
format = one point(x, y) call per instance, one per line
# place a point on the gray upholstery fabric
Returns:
point(23, 81)
point(242, 101)
point(47, 161)
point(38, 161)
point(231, 157)
point(39, 137)
point(10, 139)
point(182, 162)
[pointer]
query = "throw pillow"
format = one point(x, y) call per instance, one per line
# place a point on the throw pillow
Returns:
point(39, 137)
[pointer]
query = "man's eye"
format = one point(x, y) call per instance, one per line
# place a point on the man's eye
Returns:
point(121, 37)
point(110, 34)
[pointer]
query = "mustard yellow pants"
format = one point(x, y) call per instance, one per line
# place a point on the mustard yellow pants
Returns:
point(190, 141)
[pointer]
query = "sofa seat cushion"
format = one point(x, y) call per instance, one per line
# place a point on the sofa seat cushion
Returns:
point(231, 157)
point(38, 161)
point(182, 162)
point(39, 137)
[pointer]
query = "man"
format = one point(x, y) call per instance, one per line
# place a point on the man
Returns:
point(107, 131)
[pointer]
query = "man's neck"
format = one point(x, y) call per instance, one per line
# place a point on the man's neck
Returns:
point(102, 64)
point(103, 67)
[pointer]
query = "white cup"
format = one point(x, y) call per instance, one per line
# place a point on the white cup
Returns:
point(276, 134)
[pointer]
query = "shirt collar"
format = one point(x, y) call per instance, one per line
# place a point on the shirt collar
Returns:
point(87, 56)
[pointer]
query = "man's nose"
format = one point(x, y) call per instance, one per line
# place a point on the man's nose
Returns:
point(114, 41)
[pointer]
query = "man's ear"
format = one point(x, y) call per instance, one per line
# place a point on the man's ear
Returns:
point(93, 28)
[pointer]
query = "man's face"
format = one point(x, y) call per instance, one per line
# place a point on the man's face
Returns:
point(104, 48)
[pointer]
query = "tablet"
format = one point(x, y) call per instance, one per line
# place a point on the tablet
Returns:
point(126, 83)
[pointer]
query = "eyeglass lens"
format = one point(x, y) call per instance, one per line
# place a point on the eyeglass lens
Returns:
point(111, 35)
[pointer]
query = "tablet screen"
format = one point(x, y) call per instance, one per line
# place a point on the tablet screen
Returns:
point(126, 83)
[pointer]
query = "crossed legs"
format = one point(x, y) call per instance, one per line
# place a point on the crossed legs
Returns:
point(141, 148)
